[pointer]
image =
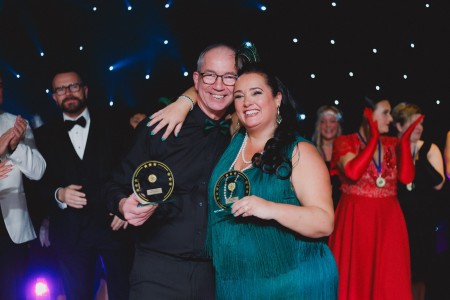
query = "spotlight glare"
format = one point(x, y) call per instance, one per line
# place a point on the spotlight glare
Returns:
point(18, 75)
point(167, 5)
point(405, 76)
point(81, 48)
point(263, 8)
point(336, 102)
point(185, 74)
point(41, 288)
point(333, 4)
point(374, 50)
point(166, 42)
point(302, 116)
point(47, 91)
point(333, 42)
point(350, 74)
point(412, 45)
point(427, 5)
point(42, 53)
point(94, 8)
point(377, 87)
point(313, 76)
point(295, 40)
point(147, 76)
point(438, 102)
point(111, 68)
point(111, 103)
point(130, 7)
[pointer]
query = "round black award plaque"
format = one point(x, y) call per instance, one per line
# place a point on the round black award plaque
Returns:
point(229, 188)
point(153, 182)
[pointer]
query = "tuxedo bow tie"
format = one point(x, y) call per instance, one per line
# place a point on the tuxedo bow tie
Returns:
point(223, 126)
point(69, 123)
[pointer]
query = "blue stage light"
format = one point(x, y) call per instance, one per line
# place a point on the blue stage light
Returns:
point(263, 7)
point(301, 117)
point(147, 76)
point(130, 7)
point(42, 53)
point(111, 68)
point(81, 48)
point(186, 74)
point(166, 42)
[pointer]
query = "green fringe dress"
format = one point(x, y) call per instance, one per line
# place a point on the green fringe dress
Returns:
point(260, 259)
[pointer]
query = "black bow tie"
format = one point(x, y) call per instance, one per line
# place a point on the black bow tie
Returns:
point(69, 123)
point(223, 126)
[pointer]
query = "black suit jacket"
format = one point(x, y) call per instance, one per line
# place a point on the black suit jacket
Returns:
point(64, 167)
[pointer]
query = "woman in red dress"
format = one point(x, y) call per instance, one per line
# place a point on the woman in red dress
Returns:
point(370, 241)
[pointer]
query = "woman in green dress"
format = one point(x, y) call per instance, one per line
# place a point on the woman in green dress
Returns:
point(270, 247)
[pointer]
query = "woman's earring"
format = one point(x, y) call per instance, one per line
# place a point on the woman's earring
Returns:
point(279, 118)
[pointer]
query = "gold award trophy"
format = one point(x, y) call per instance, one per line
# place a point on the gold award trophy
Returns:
point(153, 182)
point(229, 188)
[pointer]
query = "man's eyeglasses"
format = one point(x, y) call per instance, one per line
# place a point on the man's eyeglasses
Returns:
point(210, 78)
point(73, 87)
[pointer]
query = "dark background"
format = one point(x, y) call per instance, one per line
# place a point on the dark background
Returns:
point(132, 41)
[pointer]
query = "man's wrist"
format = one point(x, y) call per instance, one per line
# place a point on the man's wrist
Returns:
point(121, 204)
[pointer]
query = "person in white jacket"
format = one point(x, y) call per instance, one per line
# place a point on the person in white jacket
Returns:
point(19, 156)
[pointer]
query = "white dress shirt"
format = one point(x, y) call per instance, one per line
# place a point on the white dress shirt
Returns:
point(26, 160)
point(78, 136)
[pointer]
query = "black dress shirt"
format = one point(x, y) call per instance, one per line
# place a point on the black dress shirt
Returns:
point(176, 228)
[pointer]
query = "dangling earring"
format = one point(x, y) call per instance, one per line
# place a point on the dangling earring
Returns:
point(279, 118)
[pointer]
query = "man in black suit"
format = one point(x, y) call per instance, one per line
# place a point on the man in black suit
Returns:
point(170, 261)
point(80, 151)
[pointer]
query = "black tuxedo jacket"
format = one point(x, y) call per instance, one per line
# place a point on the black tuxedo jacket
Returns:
point(103, 149)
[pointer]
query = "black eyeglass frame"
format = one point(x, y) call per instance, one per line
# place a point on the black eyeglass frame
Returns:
point(215, 76)
point(73, 87)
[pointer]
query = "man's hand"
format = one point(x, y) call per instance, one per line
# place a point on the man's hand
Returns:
point(72, 196)
point(134, 214)
point(18, 132)
point(5, 169)
point(117, 223)
point(5, 140)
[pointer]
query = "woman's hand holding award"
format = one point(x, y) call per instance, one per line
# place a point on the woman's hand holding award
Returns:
point(229, 188)
point(153, 183)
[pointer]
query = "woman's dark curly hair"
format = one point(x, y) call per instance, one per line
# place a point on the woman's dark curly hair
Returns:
point(275, 158)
